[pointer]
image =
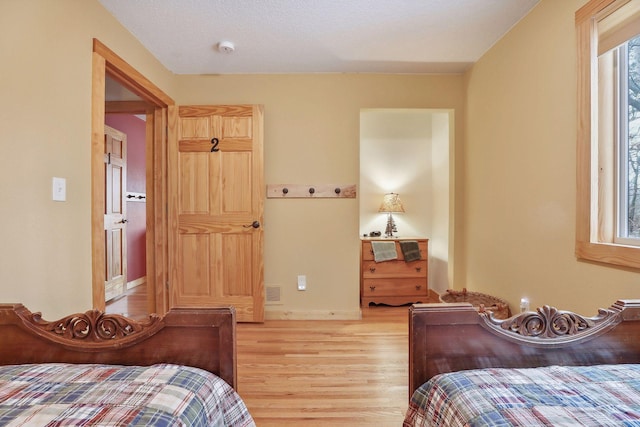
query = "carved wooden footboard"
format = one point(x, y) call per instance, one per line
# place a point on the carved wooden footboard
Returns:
point(199, 337)
point(454, 337)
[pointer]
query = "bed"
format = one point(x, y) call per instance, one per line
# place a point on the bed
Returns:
point(542, 368)
point(103, 369)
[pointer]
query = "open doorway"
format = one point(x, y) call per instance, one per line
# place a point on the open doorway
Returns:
point(126, 282)
point(153, 104)
point(125, 266)
point(410, 152)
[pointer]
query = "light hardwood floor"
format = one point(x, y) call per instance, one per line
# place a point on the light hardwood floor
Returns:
point(318, 373)
point(326, 373)
point(133, 303)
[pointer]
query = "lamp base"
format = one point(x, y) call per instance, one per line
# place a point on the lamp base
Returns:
point(391, 226)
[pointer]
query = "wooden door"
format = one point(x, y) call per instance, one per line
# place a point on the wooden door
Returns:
point(115, 155)
point(217, 201)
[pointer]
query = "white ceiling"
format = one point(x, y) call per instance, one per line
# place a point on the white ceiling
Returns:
point(318, 36)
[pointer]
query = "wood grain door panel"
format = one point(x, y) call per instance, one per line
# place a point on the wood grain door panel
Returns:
point(217, 165)
point(115, 153)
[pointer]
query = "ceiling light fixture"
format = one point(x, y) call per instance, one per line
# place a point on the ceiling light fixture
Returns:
point(226, 47)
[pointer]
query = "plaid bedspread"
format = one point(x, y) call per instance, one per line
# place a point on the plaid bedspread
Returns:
point(604, 395)
point(107, 395)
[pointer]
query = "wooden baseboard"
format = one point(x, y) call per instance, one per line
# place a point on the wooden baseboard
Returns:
point(312, 315)
point(326, 314)
point(140, 281)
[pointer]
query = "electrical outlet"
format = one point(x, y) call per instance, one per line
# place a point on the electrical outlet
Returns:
point(302, 282)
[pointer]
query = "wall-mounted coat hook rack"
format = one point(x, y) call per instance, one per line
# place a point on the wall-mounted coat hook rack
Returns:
point(296, 191)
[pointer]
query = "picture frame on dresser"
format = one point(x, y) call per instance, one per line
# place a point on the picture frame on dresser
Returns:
point(396, 281)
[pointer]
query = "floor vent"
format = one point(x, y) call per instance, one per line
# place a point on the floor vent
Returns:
point(273, 295)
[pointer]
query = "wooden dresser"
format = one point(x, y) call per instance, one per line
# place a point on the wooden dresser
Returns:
point(394, 282)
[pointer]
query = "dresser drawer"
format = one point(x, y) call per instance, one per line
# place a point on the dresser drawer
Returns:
point(394, 282)
point(394, 287)
point(367, 250)
point(400, 269)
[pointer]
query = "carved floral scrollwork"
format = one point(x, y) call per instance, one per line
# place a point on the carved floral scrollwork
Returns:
point(548, 322)
point(93, 326)
point(550, 325)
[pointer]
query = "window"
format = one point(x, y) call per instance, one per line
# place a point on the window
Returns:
point(628, 132)
point(619, 116)
point(608, 146)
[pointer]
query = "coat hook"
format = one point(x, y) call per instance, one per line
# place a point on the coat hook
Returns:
point(285, 190)
point(312, 190)
point(337, 190)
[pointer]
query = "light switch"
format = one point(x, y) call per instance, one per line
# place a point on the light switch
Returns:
point(59, 189)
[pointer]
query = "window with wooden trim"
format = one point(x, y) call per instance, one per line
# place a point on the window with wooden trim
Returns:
point(608, 146)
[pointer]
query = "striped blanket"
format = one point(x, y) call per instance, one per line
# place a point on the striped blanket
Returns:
point(604, 395)
point(107, 395)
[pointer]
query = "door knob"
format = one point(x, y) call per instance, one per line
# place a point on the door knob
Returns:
point(122, 221)
point(254, 224)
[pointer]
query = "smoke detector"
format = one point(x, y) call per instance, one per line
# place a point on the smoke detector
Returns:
point(226, 47)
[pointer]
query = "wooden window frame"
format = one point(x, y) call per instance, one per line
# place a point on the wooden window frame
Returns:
point(594, 219)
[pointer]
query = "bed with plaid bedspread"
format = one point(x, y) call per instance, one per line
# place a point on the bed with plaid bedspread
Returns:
point(60, 394)
point(603, 395)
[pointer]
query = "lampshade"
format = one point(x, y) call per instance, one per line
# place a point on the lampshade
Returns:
point(391, 203)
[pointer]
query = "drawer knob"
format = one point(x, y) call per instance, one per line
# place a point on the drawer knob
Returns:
point(372, 269)
point(373, 288)
point(418, 287)
point(418, 269)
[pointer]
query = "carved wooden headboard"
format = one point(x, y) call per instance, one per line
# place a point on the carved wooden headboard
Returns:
point(200, 337)
point(454, 337)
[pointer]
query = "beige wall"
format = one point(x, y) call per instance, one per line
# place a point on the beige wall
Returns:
point(395, 156)
point(514, 150)
point(45, 87)
point(311, 134)
point(312, 137)
point(520, 167)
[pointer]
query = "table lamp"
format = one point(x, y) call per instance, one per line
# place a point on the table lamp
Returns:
point(391, 204)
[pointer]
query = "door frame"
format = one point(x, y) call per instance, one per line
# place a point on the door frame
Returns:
point(158, 107)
